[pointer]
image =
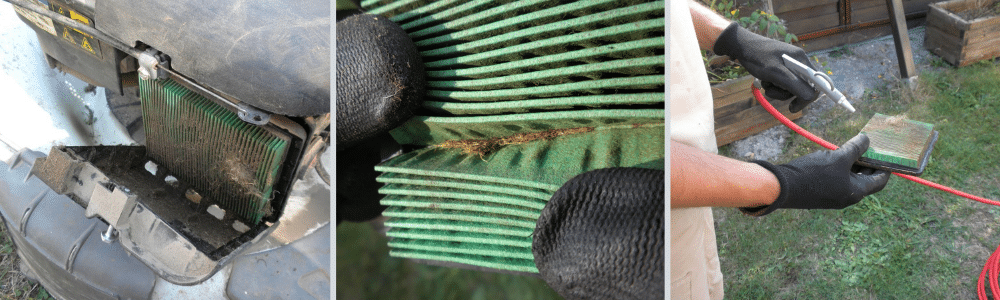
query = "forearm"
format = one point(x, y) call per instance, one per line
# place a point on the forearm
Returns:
point(708, 25)
point(699, 178)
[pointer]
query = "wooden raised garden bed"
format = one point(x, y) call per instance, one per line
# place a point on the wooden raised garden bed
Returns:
point(737, 113)
point(824, 24)
point(958, 41)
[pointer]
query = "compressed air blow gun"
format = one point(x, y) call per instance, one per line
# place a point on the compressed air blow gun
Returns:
point(818, 80)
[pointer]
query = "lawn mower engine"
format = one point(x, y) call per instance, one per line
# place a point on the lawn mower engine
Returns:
point(229, 102)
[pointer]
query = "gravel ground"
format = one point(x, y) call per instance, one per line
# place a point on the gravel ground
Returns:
point(862, 66)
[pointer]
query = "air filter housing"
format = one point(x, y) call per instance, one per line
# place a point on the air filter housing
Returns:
point(224, 159)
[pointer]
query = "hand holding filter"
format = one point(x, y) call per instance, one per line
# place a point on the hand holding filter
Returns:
point(819, 81)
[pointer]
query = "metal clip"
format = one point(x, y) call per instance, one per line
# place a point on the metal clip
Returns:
point(152, 65)
point(252, 115)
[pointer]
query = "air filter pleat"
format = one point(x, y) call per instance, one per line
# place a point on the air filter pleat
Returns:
point(558, 76)
point(524, 106)
point(453, 193)
point(403, 167)
point(488, 15)
point(455, 204)
point(472, 249)
point(594, 38)
point(206, 146)
point(474, 186)
point(456, 215)
point(430, 9)
point(556, 30)
point(547, 61)
point(476, 260)
point(506, 24)
point(448, 14)
point(437, 130)
point(474, 227)
point(460, 236)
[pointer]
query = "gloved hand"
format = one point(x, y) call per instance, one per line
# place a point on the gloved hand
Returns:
point(824, 179)
point(380, 78)
point(601, 236)
point(380, 81)
point(762, 58)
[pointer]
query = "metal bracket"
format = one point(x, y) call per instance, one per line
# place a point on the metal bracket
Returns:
point(252, 115)
point(152, 65)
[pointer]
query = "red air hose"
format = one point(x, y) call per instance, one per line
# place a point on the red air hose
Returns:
point(992, 264)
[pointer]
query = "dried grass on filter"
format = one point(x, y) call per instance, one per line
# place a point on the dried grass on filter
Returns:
point(485, 147)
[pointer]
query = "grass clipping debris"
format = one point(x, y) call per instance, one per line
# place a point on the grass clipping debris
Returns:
point(486, 147)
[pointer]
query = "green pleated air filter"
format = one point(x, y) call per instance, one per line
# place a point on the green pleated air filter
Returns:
point(226, 160)
point(898, 144)
point(521, 97)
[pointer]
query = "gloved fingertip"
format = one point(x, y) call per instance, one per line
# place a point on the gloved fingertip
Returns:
point(797, 105)
point(856, 146)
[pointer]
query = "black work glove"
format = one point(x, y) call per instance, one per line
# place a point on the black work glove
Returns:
point(762, 58)
point(357, 191)
point(824, 179)
point(600, 236)
point(380, 78)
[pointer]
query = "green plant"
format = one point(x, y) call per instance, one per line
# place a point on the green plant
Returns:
point(841, 52)
point(758, 21)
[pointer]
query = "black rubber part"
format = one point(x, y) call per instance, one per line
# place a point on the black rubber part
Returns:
point(60, 247)
point(380, 78)
point(601, 236)
point(357, 191)
point(127, 110)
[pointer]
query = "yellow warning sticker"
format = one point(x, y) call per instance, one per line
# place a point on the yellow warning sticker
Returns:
point(68, 37)
point(78, 17)
point(73, 35)
point(86, 46)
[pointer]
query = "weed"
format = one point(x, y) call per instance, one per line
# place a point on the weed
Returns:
point(841, 52)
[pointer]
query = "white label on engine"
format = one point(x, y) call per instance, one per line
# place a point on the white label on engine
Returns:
point(43, 22)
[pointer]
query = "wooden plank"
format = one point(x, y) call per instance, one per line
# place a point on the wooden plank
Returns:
point(862, 4)
point(937, 42)
point(984, 23)
point(814, 24)
point(977, 35)
point(957, 5)
point(869, 14)
point(916, 6)
point(942, 20)
point(984, 49)
point(901, 38)
point(808, 13)
point(781, 6)
point(734, 108)
point(947, 17)
point(749, 122)
point(732, 98)
point(731, 86)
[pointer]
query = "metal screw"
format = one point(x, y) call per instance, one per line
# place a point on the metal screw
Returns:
point(143, 73)
point(110, 235)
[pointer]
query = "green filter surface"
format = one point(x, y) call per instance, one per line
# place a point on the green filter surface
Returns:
point(226, 160)
point(897, 140)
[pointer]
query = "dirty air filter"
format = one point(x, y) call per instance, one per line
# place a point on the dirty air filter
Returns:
point(226, 160)
point(521, 97)
point(898, 144)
